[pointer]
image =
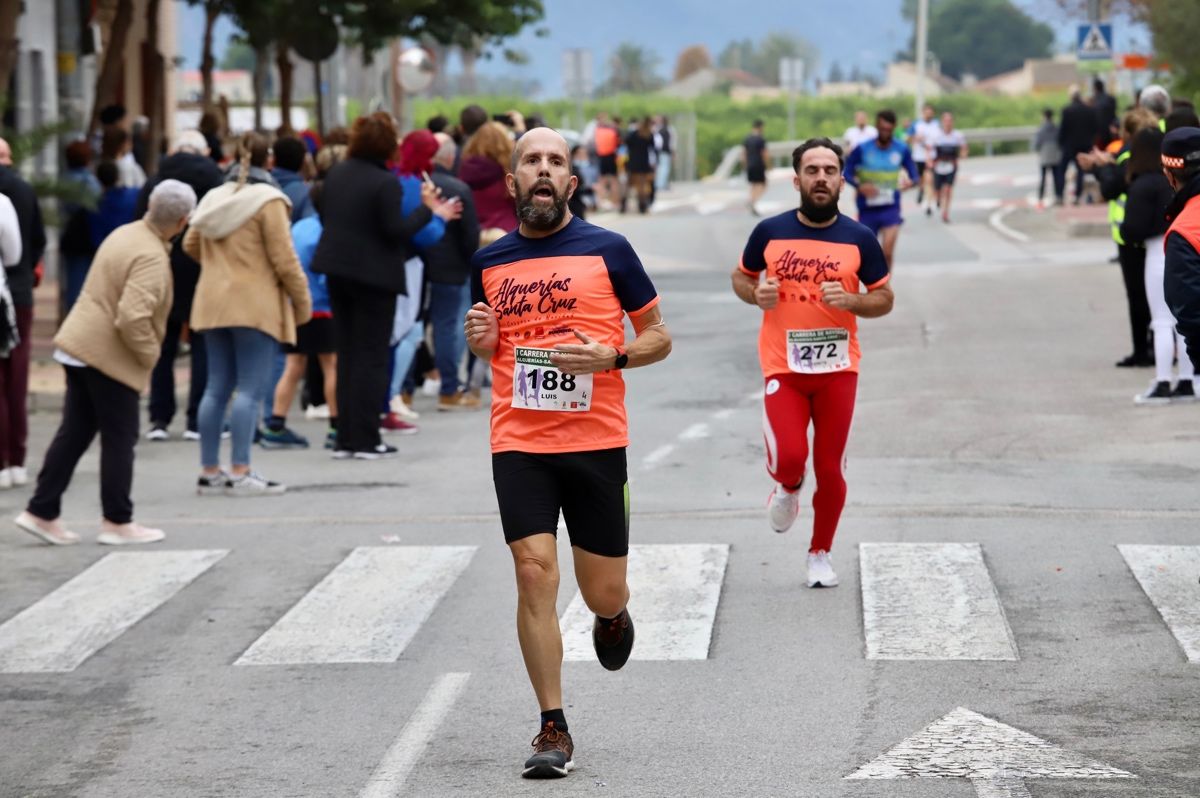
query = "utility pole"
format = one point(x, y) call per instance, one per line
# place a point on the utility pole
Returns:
point(922, 53)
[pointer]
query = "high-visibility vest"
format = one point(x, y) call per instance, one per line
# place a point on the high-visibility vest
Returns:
point(1116, 208)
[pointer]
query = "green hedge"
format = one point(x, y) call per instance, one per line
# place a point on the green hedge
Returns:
point(722, 123)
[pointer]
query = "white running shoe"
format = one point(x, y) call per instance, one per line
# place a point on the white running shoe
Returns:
point(18, 475)
point(158, 433)
point(191, 435)
point(6, 480)
point(782, 508)
point(820, 570)
point(317, 412)
point(401, 408)
point(125, 534)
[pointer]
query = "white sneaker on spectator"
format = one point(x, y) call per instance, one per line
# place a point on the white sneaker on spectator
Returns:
point(6, 481)
point(317, 412)
point(51, 532)
point(431, 387)
point(253, 484)
point(158, 433)
point(191, 435)
point(401, 408)
point(19, 476)
point(125, 534)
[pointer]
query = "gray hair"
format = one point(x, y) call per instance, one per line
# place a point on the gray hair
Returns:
point(192, 141)
point(446, 150)
point(1155, 98)
point(170, 201)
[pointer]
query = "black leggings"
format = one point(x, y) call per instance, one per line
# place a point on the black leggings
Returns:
point(362, 324)
point(1133, 272)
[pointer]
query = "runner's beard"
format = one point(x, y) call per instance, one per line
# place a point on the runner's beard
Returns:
point(818, 212)
point(541, 217)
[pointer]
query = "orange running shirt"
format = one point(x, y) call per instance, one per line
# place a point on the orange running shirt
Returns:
point(803, 334)
point(581, 278)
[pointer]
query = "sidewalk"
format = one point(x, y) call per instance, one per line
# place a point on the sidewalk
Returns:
point(1060, 223)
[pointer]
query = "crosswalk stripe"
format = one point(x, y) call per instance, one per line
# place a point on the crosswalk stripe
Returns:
point(931, 601)
point(59, 632)
point(674, 592)
point(367, 609)
point(1168, 575)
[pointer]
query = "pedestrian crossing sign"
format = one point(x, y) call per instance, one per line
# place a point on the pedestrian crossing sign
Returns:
point(1094, 42)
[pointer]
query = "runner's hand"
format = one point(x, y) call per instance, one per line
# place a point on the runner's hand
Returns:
point(482, 328)
point(766, 293)
point(835, 295)
point(868, 190)
point(587, 357)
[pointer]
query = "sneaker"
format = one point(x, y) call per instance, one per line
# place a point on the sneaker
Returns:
point(20, 476)
point(282, 439)
point(458, 401)
point(212, 484)
point(431, 387)
point(317, 412)
point(41, 530)
point(782, 508)
point(553, 754)
point(1184, 391)
point(613, 640)
point(158, 432)
point(126, 534)
point(820, 570)
point(393, 423)
point(191, 435)
point(1159, 393)
point(331, 440)
point(380, 452)
point(253, 484)
point(399, 405)
point(6, 481)
point(341, 454)
point(1135, 361)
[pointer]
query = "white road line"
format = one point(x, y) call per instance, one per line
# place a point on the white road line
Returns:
point(398, 762)
point(695, 432)
point(367, 609)
point(657, 456)
point(996, 221)
point(723, 415)
point(674, 593)
point(1002, 788)
point(59, 632)
point(931, 601)
point(1168, 575)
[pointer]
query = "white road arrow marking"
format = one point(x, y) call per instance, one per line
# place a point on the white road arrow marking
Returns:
point(1169, 574)
point(996, 758)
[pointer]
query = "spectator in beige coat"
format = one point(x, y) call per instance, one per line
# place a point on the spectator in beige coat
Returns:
point(108, 345)
point(251, 296)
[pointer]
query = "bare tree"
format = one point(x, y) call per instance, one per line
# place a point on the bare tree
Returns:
point(114, 54)
point(9, 12)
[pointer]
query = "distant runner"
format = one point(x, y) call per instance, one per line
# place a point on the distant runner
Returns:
point(550, 304)
point(805, 269)
point(857, 133)
point(949, 147)
point(754, 153)
point(880, 169)
point(925, 133)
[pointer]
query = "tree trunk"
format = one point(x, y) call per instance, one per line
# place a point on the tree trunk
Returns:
point(469, 57)
point(284, 64)
point(9, 11)
point(114, 56)
point(212, 11)
point(153, 65)
point(260, 84)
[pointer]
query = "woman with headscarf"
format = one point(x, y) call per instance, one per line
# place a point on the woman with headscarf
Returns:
point(251, 295)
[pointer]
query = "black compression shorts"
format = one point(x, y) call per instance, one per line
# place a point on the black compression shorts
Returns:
point(591, 489)
point(608, 165)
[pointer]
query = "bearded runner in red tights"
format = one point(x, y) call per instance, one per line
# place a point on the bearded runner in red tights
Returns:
point(806, 270)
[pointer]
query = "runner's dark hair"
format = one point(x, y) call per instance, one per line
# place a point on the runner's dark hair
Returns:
point(887, 115)
point(813, 144)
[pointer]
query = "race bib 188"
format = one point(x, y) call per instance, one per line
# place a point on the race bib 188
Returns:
point(818, 351)
point(538, 385)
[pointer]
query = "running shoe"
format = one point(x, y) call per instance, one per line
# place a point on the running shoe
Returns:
point(253, 484)
point(212, 484)
point(1159, 393)
point(282, 439)
point(316, 412)
point(158, 432)
point(553, 754)
point(1184, 391)
point(782, 508)
point(391, 422)
point(820, 570)
point(613, 640)
point(18, 475)
point(380, 452)
point(191, 435)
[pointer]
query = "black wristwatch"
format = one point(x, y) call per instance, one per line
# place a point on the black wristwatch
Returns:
point(622, 359)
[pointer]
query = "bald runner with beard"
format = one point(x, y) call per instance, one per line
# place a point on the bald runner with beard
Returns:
point(549, 315)
point(806, 270)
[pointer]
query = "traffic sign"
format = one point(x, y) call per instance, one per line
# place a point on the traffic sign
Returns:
point(994, 757)
point(1094, 42)
point(791, 74)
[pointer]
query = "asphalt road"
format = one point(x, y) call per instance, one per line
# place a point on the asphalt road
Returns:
point(989, 415)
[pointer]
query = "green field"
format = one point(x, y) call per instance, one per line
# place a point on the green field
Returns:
point(721, 123)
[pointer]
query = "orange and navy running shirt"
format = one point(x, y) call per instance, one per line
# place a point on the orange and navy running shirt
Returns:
point(801, 257)
point(581, 278)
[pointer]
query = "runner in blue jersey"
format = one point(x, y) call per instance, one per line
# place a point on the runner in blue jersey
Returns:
point(880, 169)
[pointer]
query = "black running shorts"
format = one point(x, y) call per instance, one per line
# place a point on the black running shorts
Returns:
point(940, 180)
point(591, 489)
point(608, 165)
point(756, 175)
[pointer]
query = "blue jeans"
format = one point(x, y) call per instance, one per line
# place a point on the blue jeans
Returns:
point(402, 357)
point(448, 306)
point(662, 172)
point(239, 358)
point(75, 269)
point(278, 362)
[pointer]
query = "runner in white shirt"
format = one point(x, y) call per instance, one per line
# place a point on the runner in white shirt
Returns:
point(948, 148)
point(925, 134)
point(859, 132)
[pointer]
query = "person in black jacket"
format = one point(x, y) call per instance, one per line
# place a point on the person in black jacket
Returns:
point(189, 163)
point(1181, 162)
point(1076, 134)
point(363, 248)
point(1142, 230)
point(447, 267)
point(14, 369)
